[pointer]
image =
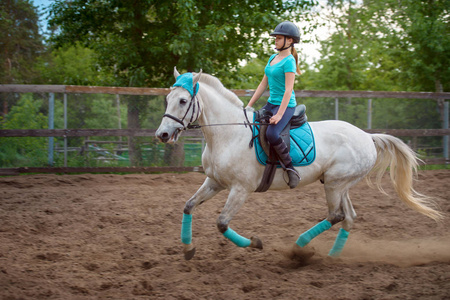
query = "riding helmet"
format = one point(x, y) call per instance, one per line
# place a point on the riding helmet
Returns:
point(288, 29)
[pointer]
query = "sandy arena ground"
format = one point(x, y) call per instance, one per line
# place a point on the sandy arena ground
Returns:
point(118, 237)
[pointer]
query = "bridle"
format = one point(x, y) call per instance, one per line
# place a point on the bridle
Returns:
point(192, 103)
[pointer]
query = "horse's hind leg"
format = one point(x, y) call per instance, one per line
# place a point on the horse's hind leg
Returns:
point(208, 190)
point(339, 209)
point(347, 224)
point(335, 215)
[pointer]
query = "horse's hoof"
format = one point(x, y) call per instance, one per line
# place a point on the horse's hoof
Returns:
point(256, 243)
point(189, 252)
point(189, 255)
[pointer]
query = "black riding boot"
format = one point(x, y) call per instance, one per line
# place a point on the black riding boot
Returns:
point(285, 158)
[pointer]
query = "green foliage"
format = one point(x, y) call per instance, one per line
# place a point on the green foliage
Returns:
point(141, 41)
point(423, 41)
point(20, 41)
point(434, 167)
point(404, 113)
point(389, 45)
point(20, 45)
point(19, 117)
point(154, 113)
point(25, 151)
point(345, 55)
point(383, 46)
point(249, 75)
point(70, 65)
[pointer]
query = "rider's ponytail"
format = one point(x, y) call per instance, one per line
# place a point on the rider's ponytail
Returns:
point(294, 53)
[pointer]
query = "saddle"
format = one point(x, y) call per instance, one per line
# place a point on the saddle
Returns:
point(262, 116)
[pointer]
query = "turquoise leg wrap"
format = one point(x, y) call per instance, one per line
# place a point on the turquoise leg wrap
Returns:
point(339, 243)
point(186, 229)
point(307, 236)
point(236, 238)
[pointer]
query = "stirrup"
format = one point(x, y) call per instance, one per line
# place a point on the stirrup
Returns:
point(294, 177)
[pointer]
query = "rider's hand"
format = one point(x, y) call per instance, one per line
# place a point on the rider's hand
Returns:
point(275, 119)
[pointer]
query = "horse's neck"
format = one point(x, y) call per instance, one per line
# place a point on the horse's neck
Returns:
point(217, 109)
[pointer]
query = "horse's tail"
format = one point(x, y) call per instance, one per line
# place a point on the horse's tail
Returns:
point(403, 163)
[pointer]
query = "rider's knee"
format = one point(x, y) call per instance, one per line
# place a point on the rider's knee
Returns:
point(272, 137)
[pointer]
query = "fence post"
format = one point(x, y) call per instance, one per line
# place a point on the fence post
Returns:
point(336, 108)
point(446, 140)
point(65, 127)
point(369, 113)
point(51, 125)
point(119, 119)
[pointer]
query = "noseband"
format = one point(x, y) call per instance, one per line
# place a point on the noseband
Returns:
point(193, 103)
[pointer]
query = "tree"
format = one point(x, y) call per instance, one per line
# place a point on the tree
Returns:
point(388, 45)
point(20, 43)
point(423, 42)
point(69, 65)
point(141, 41)
point(344, 55)
point(20, 40)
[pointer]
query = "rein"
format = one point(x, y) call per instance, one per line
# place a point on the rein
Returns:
point(190, 126)
point(245, 123)
point(193, 103)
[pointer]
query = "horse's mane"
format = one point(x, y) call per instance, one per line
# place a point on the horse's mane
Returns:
point(215, 83)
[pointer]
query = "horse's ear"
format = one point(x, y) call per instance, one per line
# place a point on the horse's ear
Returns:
point(175, 73)
point(197, 77)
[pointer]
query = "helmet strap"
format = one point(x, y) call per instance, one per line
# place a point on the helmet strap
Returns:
point(284, 44)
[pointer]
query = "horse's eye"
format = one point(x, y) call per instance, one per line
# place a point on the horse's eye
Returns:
point(183, 101)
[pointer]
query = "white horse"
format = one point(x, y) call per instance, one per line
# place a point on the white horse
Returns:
point(345, 155)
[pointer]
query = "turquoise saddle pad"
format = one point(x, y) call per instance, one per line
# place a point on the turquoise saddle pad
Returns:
point(303, 150)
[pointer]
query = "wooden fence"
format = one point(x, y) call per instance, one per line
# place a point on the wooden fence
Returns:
point(65, 89)
point(76, 89)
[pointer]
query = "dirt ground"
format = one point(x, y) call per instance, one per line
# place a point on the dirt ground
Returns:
point(118, 237)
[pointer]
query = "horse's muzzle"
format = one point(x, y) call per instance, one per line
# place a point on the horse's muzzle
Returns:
point(163, 137)
point(167, 137)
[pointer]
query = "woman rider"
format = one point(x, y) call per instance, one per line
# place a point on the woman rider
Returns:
point(279, 75)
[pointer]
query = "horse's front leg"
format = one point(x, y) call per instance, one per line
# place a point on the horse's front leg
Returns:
point(235, 200)
point(209, 189)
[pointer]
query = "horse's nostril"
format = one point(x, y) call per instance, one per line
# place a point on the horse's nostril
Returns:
point(164, 137)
